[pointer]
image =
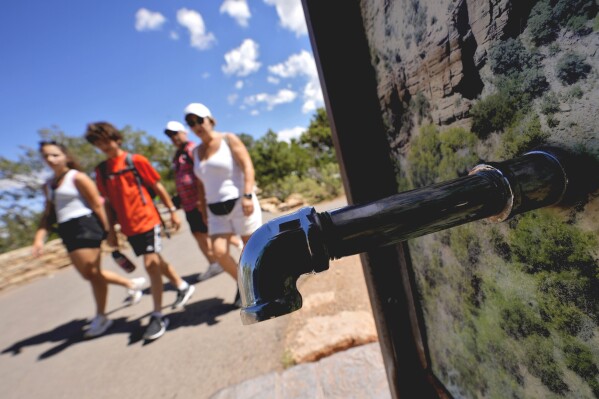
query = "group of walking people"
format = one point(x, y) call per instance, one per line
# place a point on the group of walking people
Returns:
point(216, 186)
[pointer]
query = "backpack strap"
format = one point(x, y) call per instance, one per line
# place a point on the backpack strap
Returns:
point(131, 167)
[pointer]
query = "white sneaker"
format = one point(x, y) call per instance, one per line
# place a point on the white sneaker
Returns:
point(213, 270)
point(134, 294)
point(98, 326)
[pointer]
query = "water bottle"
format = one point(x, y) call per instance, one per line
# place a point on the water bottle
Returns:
point(123, 261)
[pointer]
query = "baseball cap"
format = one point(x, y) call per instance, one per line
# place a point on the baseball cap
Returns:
point(197, 109)
point(174, 126)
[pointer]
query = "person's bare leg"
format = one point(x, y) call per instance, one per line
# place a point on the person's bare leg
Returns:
point(116, 279)
point(234, 240)
point(152, 263)
point(169, 272)
point(87, 263)
point(220, 249)
point(205, 245)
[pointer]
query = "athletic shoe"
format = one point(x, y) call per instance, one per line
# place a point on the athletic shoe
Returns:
point(183, 296)
point(98, 326)
point(213, 270)
point(155, 328)
point(134, 294)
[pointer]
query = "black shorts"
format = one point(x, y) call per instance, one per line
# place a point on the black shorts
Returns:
point(82, 232)
point(149, 242)
point(196, 224)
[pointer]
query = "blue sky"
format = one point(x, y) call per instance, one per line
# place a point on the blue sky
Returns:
point(66, 63)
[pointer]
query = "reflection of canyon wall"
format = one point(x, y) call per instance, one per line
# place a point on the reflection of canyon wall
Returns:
point(434, 50)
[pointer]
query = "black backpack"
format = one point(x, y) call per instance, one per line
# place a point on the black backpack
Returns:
point(130, 167)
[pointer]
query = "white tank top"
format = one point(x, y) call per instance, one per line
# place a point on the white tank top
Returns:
point(68, 202)
point(221, 175)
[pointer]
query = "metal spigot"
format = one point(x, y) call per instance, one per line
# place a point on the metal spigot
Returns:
point(283, 249)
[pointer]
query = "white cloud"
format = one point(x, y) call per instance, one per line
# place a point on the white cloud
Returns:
point(239, 84)
point(193, 21)
point(243, 60)
point(148, 20)
point(302, 65)
point(205, 75)
point(291, 15)
point(238, 10)
point(271, 100)
point(232, 98)
point(174, 35)
point(254, 112)
point(273, 80)
point(288, 134)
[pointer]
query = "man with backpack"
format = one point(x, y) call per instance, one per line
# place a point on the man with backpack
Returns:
point(187, 190)
point(125, 181)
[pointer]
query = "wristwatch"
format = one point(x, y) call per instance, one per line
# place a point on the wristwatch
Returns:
point(247, 195)
point(172, 209)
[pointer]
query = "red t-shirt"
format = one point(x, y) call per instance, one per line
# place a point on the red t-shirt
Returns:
point(123, 194)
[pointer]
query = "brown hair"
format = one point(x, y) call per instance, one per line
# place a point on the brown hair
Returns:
point(102, 131)
point(71, 161)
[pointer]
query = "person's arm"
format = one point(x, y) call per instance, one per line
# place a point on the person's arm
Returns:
point(42, 230)
point(201, 205)
point(90, 192)
point(168, 202)
point(243, 159)
point(112, 238)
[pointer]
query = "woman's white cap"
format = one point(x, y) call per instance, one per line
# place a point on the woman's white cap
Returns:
point(197, 109)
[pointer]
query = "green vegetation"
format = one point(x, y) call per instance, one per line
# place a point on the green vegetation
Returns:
point(520, 79)
point(437, 156)
point(547, 17)
point(540, 241)
point(550, 103)
point(571, 68)
point(307, 166)
point(522, 136)
point(542, 25)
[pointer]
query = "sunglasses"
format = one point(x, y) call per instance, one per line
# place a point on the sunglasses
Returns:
point(170, 133)
point(191, 122)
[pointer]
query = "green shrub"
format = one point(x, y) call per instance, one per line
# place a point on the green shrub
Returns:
point(523, 136)
point(424, 156)
point(542, 26)
point(520, 321)
point(580, 360)
point(574, 14)
point(575, 92)
point(542, 364)
point(465, 244)
point(319, 185)
point(493, 113)
point(571, 68)
point(510, 56)
point(457, 153)
point(420, 106)
point(550, 104)
point(438, 155)
point(540, 241)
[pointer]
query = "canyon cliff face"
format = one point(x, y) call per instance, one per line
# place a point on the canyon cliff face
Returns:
point(431, 59)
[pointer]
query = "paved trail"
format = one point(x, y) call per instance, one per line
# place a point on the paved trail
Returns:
point(206, 348)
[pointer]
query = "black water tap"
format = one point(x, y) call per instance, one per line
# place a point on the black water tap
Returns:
point(283, 249)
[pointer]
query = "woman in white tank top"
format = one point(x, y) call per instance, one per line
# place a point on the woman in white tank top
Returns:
point(226, 183)
point(73, 201)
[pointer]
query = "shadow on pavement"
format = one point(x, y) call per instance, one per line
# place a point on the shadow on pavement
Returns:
point(196, 313)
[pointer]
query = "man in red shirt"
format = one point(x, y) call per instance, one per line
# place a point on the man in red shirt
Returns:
point(130, 205)
point(188, 191)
